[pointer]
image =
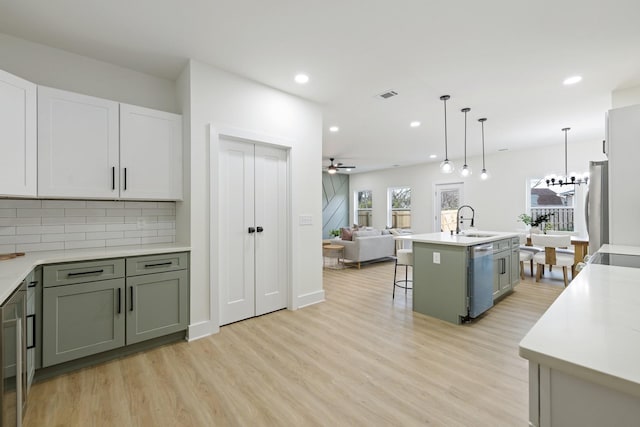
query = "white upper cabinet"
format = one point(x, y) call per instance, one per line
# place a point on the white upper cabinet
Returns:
point(150, 154)
point(18, 161)
point(77, 145)
point(93, 148)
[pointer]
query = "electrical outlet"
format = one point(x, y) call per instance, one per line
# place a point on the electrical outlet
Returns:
point(436, 257)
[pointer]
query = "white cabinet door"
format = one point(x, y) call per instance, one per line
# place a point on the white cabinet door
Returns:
point(77, 145)
point(18, 160)
point(150, 154)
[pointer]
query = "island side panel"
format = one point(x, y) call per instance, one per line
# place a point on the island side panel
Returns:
point(440, 290)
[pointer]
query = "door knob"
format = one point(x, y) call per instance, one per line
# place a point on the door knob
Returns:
point(252, 230)
point(260, 229)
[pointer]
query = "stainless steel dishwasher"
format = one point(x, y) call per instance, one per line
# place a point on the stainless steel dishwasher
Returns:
point(480, 279)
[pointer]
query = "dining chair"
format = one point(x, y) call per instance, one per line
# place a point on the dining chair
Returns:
point(526, 254)
point(550, 256)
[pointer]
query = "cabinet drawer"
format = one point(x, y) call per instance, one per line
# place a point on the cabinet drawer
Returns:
point(515, 242)
point(80, 272)
point(501, 245)
point(156, 263)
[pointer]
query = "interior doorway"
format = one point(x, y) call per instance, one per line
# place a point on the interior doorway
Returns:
point(448, 198)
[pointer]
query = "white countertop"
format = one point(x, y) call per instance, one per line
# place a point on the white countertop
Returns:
point(13, 271)
point(620, 249)
point(592, 330)
point(445, 238)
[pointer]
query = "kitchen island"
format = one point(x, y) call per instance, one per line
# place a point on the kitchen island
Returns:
point(584, 352)
point(456, 277)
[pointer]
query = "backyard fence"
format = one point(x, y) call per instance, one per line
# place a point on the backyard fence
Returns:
point(561, 219)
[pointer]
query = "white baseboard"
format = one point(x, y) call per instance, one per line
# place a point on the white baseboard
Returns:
point(201, 330)
point(310, 299)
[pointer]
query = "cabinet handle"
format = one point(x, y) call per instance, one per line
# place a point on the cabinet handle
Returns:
point(32, 317)
point(82, 273)
point(113, 177)
point(131, 292)
point(119, 300)
point(159, 264)
point(32, 284)
point(125, 178)
point(260, 229)
point(252, 230)
point(604, 147)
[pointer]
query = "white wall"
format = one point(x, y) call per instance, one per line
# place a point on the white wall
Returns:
point(64, 70)
point(226, 100)
point(497, 201)
point(625, 97)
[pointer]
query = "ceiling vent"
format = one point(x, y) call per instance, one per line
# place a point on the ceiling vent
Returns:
point(387, 94)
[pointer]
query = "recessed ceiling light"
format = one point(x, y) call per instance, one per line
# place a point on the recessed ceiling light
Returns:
point(301, 78)
point(414, 124)
point(334, 129)
point(433, 156)
point(572, 80)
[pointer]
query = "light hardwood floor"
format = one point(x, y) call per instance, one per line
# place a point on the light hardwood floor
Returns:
point(358, 359)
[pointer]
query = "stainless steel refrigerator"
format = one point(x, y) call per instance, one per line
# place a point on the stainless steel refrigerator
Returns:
point(597, 205)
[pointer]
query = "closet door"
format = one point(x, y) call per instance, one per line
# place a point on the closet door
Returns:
point(236, 275)
point(271, 218)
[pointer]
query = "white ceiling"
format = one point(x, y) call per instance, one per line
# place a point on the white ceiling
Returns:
point(504, 59)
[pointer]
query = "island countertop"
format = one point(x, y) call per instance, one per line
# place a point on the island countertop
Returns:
point(591, 331)
point(13, 271)
point(462, 239)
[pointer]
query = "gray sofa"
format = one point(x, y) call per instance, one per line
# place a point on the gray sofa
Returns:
point(368, 245)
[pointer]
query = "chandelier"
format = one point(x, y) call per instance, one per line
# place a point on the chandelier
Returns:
point(566, 179)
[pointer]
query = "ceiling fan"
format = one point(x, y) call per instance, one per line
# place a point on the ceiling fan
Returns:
point(333, 167)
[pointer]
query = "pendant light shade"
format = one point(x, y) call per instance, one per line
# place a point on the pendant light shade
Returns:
point(466, 170)
point(446, 166)
point(484, 175)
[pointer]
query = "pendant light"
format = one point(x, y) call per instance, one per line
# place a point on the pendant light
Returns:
point(567, 179)
point(466, 170)
point(483, 175)
point(446, 166)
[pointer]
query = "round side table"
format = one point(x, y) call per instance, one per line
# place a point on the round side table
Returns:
point(333, 251)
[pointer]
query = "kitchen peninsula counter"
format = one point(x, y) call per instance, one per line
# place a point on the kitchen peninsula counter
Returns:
point(585, 350)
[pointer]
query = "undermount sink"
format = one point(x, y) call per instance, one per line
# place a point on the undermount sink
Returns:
point(479, 235)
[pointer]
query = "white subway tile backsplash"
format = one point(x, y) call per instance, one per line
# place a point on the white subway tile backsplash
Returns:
point(84, 244)
point(28, 238)
point(140, 233)
point(105, 235)
point(140, 205)
point(39, 225)
point(123, 242)
point(21, 203)
point(7, 249)
point(161, 239)
point(20, 221)
point(104, 204)
point(84, 212)
point(64, 220)
point(40, 229)
point(33, 247)
point(30, 213)
point(105, 220)
point(7, 213)
point(7, 231)
point(124, 212)
point(63, 237)
point(122, 227)
point(64, 204)
point(83, 228)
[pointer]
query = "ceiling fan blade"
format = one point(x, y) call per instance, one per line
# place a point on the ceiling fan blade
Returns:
point(341, 166)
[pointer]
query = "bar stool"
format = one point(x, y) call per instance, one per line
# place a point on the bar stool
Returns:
point(404, 257)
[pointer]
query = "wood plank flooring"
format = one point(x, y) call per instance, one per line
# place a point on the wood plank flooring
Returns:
point(358, 359)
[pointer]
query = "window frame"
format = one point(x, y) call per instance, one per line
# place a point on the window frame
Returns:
point(391, 209)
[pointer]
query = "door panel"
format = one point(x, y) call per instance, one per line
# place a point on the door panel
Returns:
point(237, 245)
point(271, 244)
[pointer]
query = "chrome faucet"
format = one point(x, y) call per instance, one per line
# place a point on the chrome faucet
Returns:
point(459, 219)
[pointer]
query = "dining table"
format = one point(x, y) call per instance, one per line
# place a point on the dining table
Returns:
point(581, 249)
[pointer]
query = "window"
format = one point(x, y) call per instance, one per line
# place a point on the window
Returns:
point(364, 205)
point(557, 201)
point(400, 207)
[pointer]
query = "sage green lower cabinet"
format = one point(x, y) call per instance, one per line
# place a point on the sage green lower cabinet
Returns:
point(515, 266)
point(156, 305)
point(82, 319)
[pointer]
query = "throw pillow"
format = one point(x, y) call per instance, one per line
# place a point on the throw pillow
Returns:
point(365, 233)
point(345, 234)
